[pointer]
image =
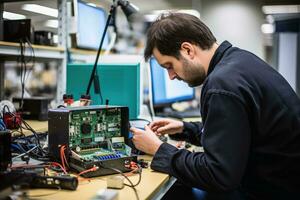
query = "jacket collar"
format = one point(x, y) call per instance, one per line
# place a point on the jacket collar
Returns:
point(218, 55)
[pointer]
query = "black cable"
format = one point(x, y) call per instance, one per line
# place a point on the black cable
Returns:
point(32, 51)
point(97, 87)
point(31, 58)
point(21, 59)
point(140, 119)
point(22, 71)
point(112, 10)
point(61, 106)
point(41, 154)
point(131, 184)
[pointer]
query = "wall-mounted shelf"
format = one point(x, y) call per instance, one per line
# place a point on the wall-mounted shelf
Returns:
point(81, 55)
point(10, 50)
point(7, 1)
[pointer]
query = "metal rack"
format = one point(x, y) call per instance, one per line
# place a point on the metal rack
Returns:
point(10, 51)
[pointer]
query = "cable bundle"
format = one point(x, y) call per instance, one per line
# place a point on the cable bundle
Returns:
point(24, 65)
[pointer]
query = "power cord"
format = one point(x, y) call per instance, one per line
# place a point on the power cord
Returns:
point(131, 184)
point(23, 72)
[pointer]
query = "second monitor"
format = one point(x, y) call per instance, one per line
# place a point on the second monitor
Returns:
point(165, 92)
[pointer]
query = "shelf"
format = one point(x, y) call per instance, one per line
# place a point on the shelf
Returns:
point(83, 51)
point(12, 50)
point(7, 1)
point(81, 55)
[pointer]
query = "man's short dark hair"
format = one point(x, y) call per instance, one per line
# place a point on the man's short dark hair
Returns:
point(170, 30)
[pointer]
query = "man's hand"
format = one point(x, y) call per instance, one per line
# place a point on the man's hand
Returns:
point(145, 141)
point(166, 126)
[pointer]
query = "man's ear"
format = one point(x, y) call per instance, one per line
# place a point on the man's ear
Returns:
point(187, 49)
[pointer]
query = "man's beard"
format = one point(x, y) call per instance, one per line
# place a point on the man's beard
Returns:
point(193, 75)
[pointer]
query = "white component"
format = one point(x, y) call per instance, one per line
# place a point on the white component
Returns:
point(78, 149)
point(99, 128)
point(112, 129)
point(117, 139)
point(116, 182)
point(72, 130)
point(99, 139)
point(112, 125)
point(107, 194)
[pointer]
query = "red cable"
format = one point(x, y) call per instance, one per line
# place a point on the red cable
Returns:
point(89, 170)
point(64, 156)
point(59, 165)
point(61, 158)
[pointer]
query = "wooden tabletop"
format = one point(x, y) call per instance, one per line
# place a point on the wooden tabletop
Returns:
point(152, 185)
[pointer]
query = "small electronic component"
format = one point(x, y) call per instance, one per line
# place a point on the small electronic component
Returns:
point(115, 182)
point(118, 143)
point(86, 128)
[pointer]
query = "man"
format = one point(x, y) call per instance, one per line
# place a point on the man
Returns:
point(250, 128)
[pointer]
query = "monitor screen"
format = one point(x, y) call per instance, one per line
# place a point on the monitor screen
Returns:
point(166, 91)
point(90, 26)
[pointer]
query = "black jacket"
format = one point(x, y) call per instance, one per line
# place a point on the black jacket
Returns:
point(250, 132)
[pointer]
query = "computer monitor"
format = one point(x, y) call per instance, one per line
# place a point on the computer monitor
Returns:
point(90, 26)
point(165, 91)
point(120, 78)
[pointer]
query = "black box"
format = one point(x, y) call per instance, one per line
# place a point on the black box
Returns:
point(17, 30)
point(33, 108)
point(5, 153)
point(43, 38)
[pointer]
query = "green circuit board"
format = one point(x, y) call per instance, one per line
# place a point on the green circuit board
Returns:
point(92, 130)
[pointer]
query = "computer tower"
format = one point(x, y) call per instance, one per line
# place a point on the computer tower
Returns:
point(17, 30)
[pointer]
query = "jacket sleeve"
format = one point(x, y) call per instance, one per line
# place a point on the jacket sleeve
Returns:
point(191, 133)
point(226, 142)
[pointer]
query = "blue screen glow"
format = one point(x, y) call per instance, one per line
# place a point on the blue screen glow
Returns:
point(90, 26)
point(166, 91)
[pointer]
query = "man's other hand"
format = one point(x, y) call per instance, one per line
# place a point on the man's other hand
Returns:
point(166, 126)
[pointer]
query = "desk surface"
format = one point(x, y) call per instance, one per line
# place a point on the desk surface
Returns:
point(38, 126)
point(151, 186)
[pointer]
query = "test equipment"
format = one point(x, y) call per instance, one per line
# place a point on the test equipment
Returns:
point(94, 137)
